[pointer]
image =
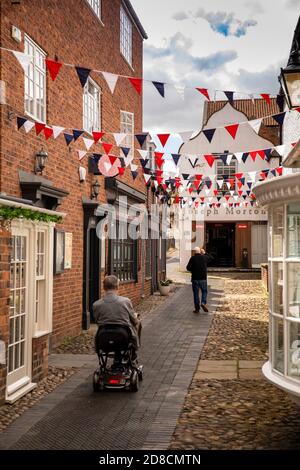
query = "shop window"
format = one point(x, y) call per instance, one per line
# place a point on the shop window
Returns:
point(294, 350)
point(277, 232)
point(293, 290)
point(278, 345)
point(293, 230)
point(277, 288)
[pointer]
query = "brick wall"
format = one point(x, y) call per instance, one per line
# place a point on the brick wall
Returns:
point(5, 247)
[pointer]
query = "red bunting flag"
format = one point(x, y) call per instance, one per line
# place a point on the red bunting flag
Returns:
point(159, 180)
point(197, 183)
point(191, 189)
point(137, 83)
point(177, 182)
point(279, 170)
point(158, 154)
point(53, 68)
point(198, 177)
point(215, 192)
point(177, 199)
point(238, 175)
point(297, 109)
point(163, 138)
point(252, 195)
point(202, 199)
point(97, 136)
point(266, 97)
point(107, 147)
point(240, 184)
point(231, 182)
point(159, 172)
point(112, 158)
point(121, 170)
point(164, 186)
point(263, 175)
point(210, 159)
point(253, 155)
point(232, 129)
point(240, 193)
point(48, 132)
point(262, 154)
point(204, 92)
point(39, 127)
point(227, 198)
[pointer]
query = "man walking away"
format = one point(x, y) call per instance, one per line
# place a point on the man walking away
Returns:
point(197, 265)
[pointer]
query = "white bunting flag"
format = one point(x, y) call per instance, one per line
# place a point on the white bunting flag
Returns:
point(119, 137)
point(220, 183)
point(228, 159)
point(147, 178)
point(28, 125)
point(228, 185)
point(128, 160)
point(57, 130)
point(252, 175)
point(231, 193)
point(88, 142)
point(280, 149)
point(224, 204)
point(180, 90)
point(238, 156)
point(143, 153)
point(111, 80)
point(207, 191)
point(24, 59)
point(133, 167)
point(81, 154)
point(210, 199)
point(107, 166)
point(185, 136)
point(235, 198)
point(255, 124)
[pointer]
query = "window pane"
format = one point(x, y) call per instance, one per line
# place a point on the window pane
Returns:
point(294, 289)
point(277, 287)
point(278, 358)
point(278, 221)
point(293, 230)
point(294, 350)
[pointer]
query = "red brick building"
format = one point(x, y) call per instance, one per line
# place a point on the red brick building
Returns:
point(39, 304)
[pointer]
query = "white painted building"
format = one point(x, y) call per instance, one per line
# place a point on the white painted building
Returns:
point(236, 236)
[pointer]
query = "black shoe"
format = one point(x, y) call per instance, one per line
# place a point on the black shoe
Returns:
point(196, 310)
point(204, 308)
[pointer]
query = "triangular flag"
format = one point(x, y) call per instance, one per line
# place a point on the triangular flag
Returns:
point(175, 157)
point(120, 169)
point(220, 183)
point(238, 156)
point(255, 124)
point(107, 147)
point(126, 150)
point(111, 80)
point(119, 137)
point(24, 59)
point(144, 162)
point(232, 129)
point(229, 96)
point(133, 167)
point(185, 136)
point(147, 178)
point(57, 130)
point(28, 125)
point(185, 176)
point(141, 138)
point(134, 174)
point(97, 136)
point(163, 138)
point(160, 88)
point(228, 159)
point(128, 160)
point(268, 154)
point(107, 166)
point(112, 158)
point(204, 92)
point(180, 90)
point(48, 132)
point(88, 142)
point(245, 156)
point(20, 122)
point(53, 68)
point(77, 133)
point(81, 154)
point(279, 118)
point(279, 170)
point(224, 158)
point(83, 74)
point(68, 138)
point(253, 155)
point(209, 133)
point(39, 127)
point(266, 97)
point(137, 83)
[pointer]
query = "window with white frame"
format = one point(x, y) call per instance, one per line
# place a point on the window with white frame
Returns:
point(226, 173)
point(96, 6)
point(40, 294)
point(125, 36)
point(91, 106)
point(127, 127)
point(35, 81)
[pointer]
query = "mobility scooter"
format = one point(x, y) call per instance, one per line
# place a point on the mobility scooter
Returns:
point(118, 368)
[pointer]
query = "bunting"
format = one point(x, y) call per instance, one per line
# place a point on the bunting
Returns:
point(53, 68)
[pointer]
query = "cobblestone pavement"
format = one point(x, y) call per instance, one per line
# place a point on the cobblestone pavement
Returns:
point(73, 417)
point(229, 404)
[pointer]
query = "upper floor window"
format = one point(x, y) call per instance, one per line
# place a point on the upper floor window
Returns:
point(226, 173)
point(125, 36)
point(35, 81)
point(127, 126)
point(91, 106)
point(96, 6)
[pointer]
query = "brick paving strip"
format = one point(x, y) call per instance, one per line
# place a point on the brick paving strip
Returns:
point(73, 417)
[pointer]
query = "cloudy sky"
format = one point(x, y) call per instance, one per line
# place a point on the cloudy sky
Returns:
point(235, 45)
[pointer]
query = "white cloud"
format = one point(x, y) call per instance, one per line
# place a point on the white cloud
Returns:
point(293, 3)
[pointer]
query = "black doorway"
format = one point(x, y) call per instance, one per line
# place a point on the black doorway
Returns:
point(94, 270)
point(220, 243)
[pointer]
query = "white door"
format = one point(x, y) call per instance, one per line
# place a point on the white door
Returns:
point(259, 241)
point(19, 347)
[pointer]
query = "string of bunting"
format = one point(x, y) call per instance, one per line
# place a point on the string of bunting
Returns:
point(54, 67)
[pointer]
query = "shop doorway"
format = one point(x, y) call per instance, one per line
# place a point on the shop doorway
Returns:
point(220, 243)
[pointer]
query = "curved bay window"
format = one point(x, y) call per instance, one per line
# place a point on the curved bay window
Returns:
point(284, 261)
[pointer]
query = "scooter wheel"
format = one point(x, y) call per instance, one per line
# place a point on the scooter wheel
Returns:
point(96, 386)
point(134, 382)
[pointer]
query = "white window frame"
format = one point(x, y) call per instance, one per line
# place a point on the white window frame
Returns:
point(127, 128)
point(36, 73)
point(219, 164)
point(96, 6)
point(88, 124)
point(126, 45)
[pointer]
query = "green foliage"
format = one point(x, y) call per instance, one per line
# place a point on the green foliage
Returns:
point(167, 282)
point(9, 213)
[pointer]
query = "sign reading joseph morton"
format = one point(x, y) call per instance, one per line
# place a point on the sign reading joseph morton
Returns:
point(232, 214)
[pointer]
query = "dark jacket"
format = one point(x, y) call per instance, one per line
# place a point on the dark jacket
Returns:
point(198, 266)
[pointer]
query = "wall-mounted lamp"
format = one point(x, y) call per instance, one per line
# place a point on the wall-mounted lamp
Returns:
point(95, 189)
point(41, 158)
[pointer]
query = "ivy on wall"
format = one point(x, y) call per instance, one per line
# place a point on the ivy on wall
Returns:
point(8, 213)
